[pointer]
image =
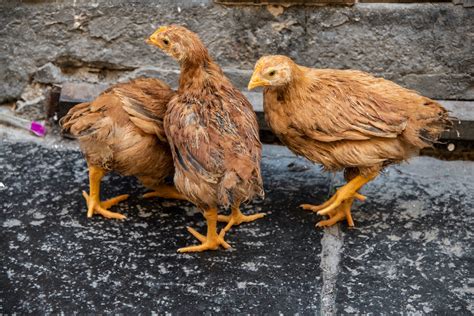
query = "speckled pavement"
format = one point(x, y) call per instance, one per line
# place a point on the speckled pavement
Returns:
point(411, 250)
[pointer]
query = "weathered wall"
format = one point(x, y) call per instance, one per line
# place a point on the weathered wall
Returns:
point(427, 47)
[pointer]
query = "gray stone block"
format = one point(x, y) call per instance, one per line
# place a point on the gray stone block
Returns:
point(49, 73)
point(421, 46)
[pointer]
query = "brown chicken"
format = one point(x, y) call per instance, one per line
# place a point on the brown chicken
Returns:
point(122, 130)
point(345, 120)
point(213, 134)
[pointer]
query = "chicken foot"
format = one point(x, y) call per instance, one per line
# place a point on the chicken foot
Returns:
point(94, 205)
point(343, 211)
point(212, 240)
point(236, 218)
point(165, 191)
point(338, 207)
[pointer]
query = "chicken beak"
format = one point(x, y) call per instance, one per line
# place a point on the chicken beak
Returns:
point(256, 81)
point(153, 39)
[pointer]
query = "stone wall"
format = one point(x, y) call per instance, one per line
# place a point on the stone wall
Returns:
point(427, 47)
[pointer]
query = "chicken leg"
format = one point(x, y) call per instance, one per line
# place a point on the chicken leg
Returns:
point(94, 205)
point(236, 218)
point(338, 207)
point(343, 211)
point(213, 240)
point(165, 191)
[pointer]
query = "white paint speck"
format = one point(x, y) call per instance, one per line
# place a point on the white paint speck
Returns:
point(191, 210)
point(39, 216)
point(163, 269)
point(11, 223)
point(144, 225)
point(250, 266)
point(393, 238)
point(188, 271)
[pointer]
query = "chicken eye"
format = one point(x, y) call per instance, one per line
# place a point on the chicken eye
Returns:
point(272, 73)
point(166, 42)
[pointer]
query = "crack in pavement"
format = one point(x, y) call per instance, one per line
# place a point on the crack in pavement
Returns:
point(332, 243)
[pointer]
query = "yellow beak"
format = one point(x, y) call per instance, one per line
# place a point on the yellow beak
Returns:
point(153, 39)
point(256, 81)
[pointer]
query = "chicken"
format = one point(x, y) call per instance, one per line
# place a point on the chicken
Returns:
point(122, 130)
point(345, 120)
point(213, 134)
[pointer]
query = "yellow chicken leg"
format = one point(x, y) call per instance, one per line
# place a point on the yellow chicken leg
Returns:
point(165, 191)
point(237, 218)
point(213, 240)
point(317, 208)
point(338, 207)
point(343, 211)
point(94, 205)
point(348, 191)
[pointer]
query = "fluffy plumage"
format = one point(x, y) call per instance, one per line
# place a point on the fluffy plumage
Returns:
point(212, 131)
point(345, 119)
point(122, 130)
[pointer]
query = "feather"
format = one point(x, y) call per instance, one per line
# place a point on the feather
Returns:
point(213, 131)
point(348, 118)
point(122, 129)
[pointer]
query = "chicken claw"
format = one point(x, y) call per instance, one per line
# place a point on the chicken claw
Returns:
point(207, 243)
point(317, 208)
point(348, 191)
point(338, 207)
point(343, 211)
point(102, 207)
point(166, 192)
point(237, 218)
point(213, 240)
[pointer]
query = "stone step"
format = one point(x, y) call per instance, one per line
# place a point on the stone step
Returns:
point(74, 93)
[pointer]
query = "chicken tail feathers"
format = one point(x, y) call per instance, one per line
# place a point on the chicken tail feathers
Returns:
point(73, 115)
point(233, 190)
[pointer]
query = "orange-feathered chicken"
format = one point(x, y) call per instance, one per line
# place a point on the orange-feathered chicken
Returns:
point(345, 119)
point(213, 134)
point(122, 130)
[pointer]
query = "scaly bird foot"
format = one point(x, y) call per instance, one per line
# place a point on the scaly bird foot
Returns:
point(208, 243)
point(332, 203)
point(94, 207)
point(339, 205)
point(237, 218)
point(166, 192)
point(343, 211)
point(340, 213)
point(341, 196)
point(316, 208)
point(347, 192)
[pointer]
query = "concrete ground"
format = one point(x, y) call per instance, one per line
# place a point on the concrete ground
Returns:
point(411, 250)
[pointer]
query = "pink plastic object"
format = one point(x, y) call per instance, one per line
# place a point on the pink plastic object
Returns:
point(38, 129)
point(9, 118)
